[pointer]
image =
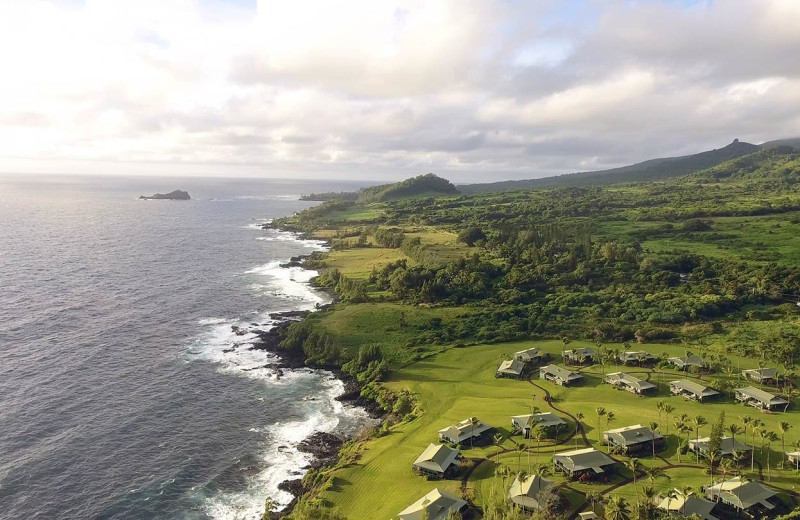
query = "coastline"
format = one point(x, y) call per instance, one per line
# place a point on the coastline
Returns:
point(323, 447)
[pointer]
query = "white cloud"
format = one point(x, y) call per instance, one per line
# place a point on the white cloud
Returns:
point(382, 87)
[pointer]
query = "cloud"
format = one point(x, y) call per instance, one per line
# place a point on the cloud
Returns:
point(471, 89)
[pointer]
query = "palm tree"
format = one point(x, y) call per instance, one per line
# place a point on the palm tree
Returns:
point(600, 411)
point(617, 508)
point(537, 433)
point(668, 409)
point(660, 406)
point(733, 429)
point(654, 473)
point(610, 417)
point(726, 468)
point(670, 495)
point(594, 497)
point(755, 426)
point(713, 456)
point(784, 427)
point(680, 427)
point(649, 495)
point(699, 421)
point(634, 465)
point(770, 437)
point(746, 421)
point(578, 418)
point(472, 422)
point(653, 429)
point(497, 440)
point(738, 455)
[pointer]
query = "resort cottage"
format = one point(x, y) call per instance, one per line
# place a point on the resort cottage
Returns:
point(580, 356)
point(753, 497)
point(511, 368)
point(727, 446)
point(630, 383)
point(636, 358)
point(691, 390)
point(437, 462)
point(685, 362)
point(549, 421)
point(794, 459)
point(531, 355)
point(464, 431)
point(559, 375)
point(586, 461)
point(688, 506)
point(436, 505)
point(761, 375)
point(525, 493)
point(760, 399)
point(634, 439)
point(588, 515)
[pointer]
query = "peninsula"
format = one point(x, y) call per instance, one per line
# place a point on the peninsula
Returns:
point(173, 195)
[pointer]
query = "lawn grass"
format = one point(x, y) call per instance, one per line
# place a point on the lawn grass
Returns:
point(358, 263)
point(459, 383)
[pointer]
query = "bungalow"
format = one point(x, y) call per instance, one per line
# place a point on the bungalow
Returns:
point(463, 431)
point(794, 459)
point(685, 362)
point(588, 515)
point(436, 505)
point(586, 461)
point(531, 355)
point(750, 496)
point(511, 368)
point(691, 390)
point(579, 356)
point(629, 383)
point(525, 493)
point(634, 439)
point(727, 446)
point(559, 375)
point(547, 420)
point(760, 399)
point(437, 461)
point(636, 358)
point(761, 375)
point(687, 506)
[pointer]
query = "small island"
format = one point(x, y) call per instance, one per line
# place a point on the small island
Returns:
point(173, 195)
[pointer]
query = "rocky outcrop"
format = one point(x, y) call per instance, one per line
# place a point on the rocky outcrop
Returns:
point(173, 195)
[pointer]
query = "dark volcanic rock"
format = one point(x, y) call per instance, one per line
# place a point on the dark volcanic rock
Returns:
point(173, 195)
point(323, 446)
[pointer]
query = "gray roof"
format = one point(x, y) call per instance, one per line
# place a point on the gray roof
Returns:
point(545, 419)
point(630, 435)
point(761, 373)
point(637, 355)
point(761, 395)
point(560, 372)
point(688, 506)
point(526, 493)
point(690, 360)
point(511, 366)
point(694, 388)
point(529, 353)
point(437, 503)
point(577, 352)
point(727, 445)
point(629, 380)
point(464, 430)
point(586, 458)
point(437, 458)
point(742, 495)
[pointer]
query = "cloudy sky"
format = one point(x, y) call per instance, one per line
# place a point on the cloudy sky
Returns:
point(385, 89)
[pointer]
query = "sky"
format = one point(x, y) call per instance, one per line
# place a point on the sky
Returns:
point(473, 90)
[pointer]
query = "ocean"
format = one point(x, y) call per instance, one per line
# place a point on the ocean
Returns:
point(124, 392)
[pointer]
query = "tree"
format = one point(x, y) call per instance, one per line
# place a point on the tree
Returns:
point(734, 429)
point(668, 411)
point(699, 421)
point(715, 438)
point(784, 427)
point(769, 437)
point(270, 506)
point(594, 497)
point(653, 429)
point(600, 412)
point(755, 426)
point(579, 418)
point(634, 466)
point(473, 421)
point(538, 433)
point(471, 235)
point(617, 508)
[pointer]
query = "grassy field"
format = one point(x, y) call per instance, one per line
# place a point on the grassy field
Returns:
point(459, 383)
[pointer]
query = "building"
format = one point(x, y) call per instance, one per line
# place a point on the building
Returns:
point(511, 368)
point(463, 431)
point(688, 505)
point(580, 356)
point(525, 493)
point(691, 390)
point(636, 358)
point(436, 505)
point(752, 496)
point(531, 355)
point(794, 459)
point(760, 399)
point(559, 375)
point(761, 375)
point(630, 383)
point(437, 461)
point(586, 461)
point(634, 439)
point(686, 362)
point(588, 515)
point(547, 420)
point(727, 446)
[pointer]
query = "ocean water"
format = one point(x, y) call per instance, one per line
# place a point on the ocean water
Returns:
point(124, 393)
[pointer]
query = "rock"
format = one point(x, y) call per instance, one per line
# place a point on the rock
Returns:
point(173, 195)
point(238, 330)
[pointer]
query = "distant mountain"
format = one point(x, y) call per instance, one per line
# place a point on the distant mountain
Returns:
point(654, 169)
point(778, 163)
point(793, 142)
point(428, 185)
point(173, 195)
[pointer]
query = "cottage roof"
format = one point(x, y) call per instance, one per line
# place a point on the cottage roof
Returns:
point(635, 354)
point(586, 458)
point(512, 367)
point(465, 430)
point(743, 495)
point(635, 382)
point(694, 388)
point(560, 372)
point(761, 396)
point(438, 504)
point(545, 419)
point(578, 352)
point(688, 506)
point(761, 373)
point(635, 434)
point(690, 360)
point(727, 445)
point(437, 458)
point(525, 493)
point(530, 352)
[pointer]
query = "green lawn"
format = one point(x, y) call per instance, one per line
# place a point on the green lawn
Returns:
point(460, 383)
